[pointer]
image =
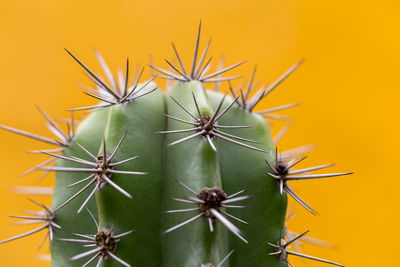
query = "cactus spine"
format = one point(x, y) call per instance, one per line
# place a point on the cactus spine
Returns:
point(190, 177)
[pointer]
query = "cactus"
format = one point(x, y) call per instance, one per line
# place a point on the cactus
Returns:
point(187, 177)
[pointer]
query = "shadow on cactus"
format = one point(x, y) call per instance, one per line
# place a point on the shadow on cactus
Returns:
point(172, 167)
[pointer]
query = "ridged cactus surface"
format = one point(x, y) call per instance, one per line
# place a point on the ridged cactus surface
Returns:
point(182, 177)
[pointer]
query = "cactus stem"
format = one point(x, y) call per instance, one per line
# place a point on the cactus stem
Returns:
point(282, 251)
point(209, 202)
point(46, 216)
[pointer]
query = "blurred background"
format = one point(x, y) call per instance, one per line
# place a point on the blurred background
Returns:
point(348, 88)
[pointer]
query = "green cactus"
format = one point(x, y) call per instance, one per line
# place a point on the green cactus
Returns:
point(191, 177)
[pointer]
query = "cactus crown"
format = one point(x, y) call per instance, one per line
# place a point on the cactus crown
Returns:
point(179, 162)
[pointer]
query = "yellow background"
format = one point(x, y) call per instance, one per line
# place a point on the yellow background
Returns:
point(348, 88)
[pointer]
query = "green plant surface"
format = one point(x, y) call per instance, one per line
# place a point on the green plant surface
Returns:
point(246, 169)
point(142, 212)
point(194, 164)
point(89, 134)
